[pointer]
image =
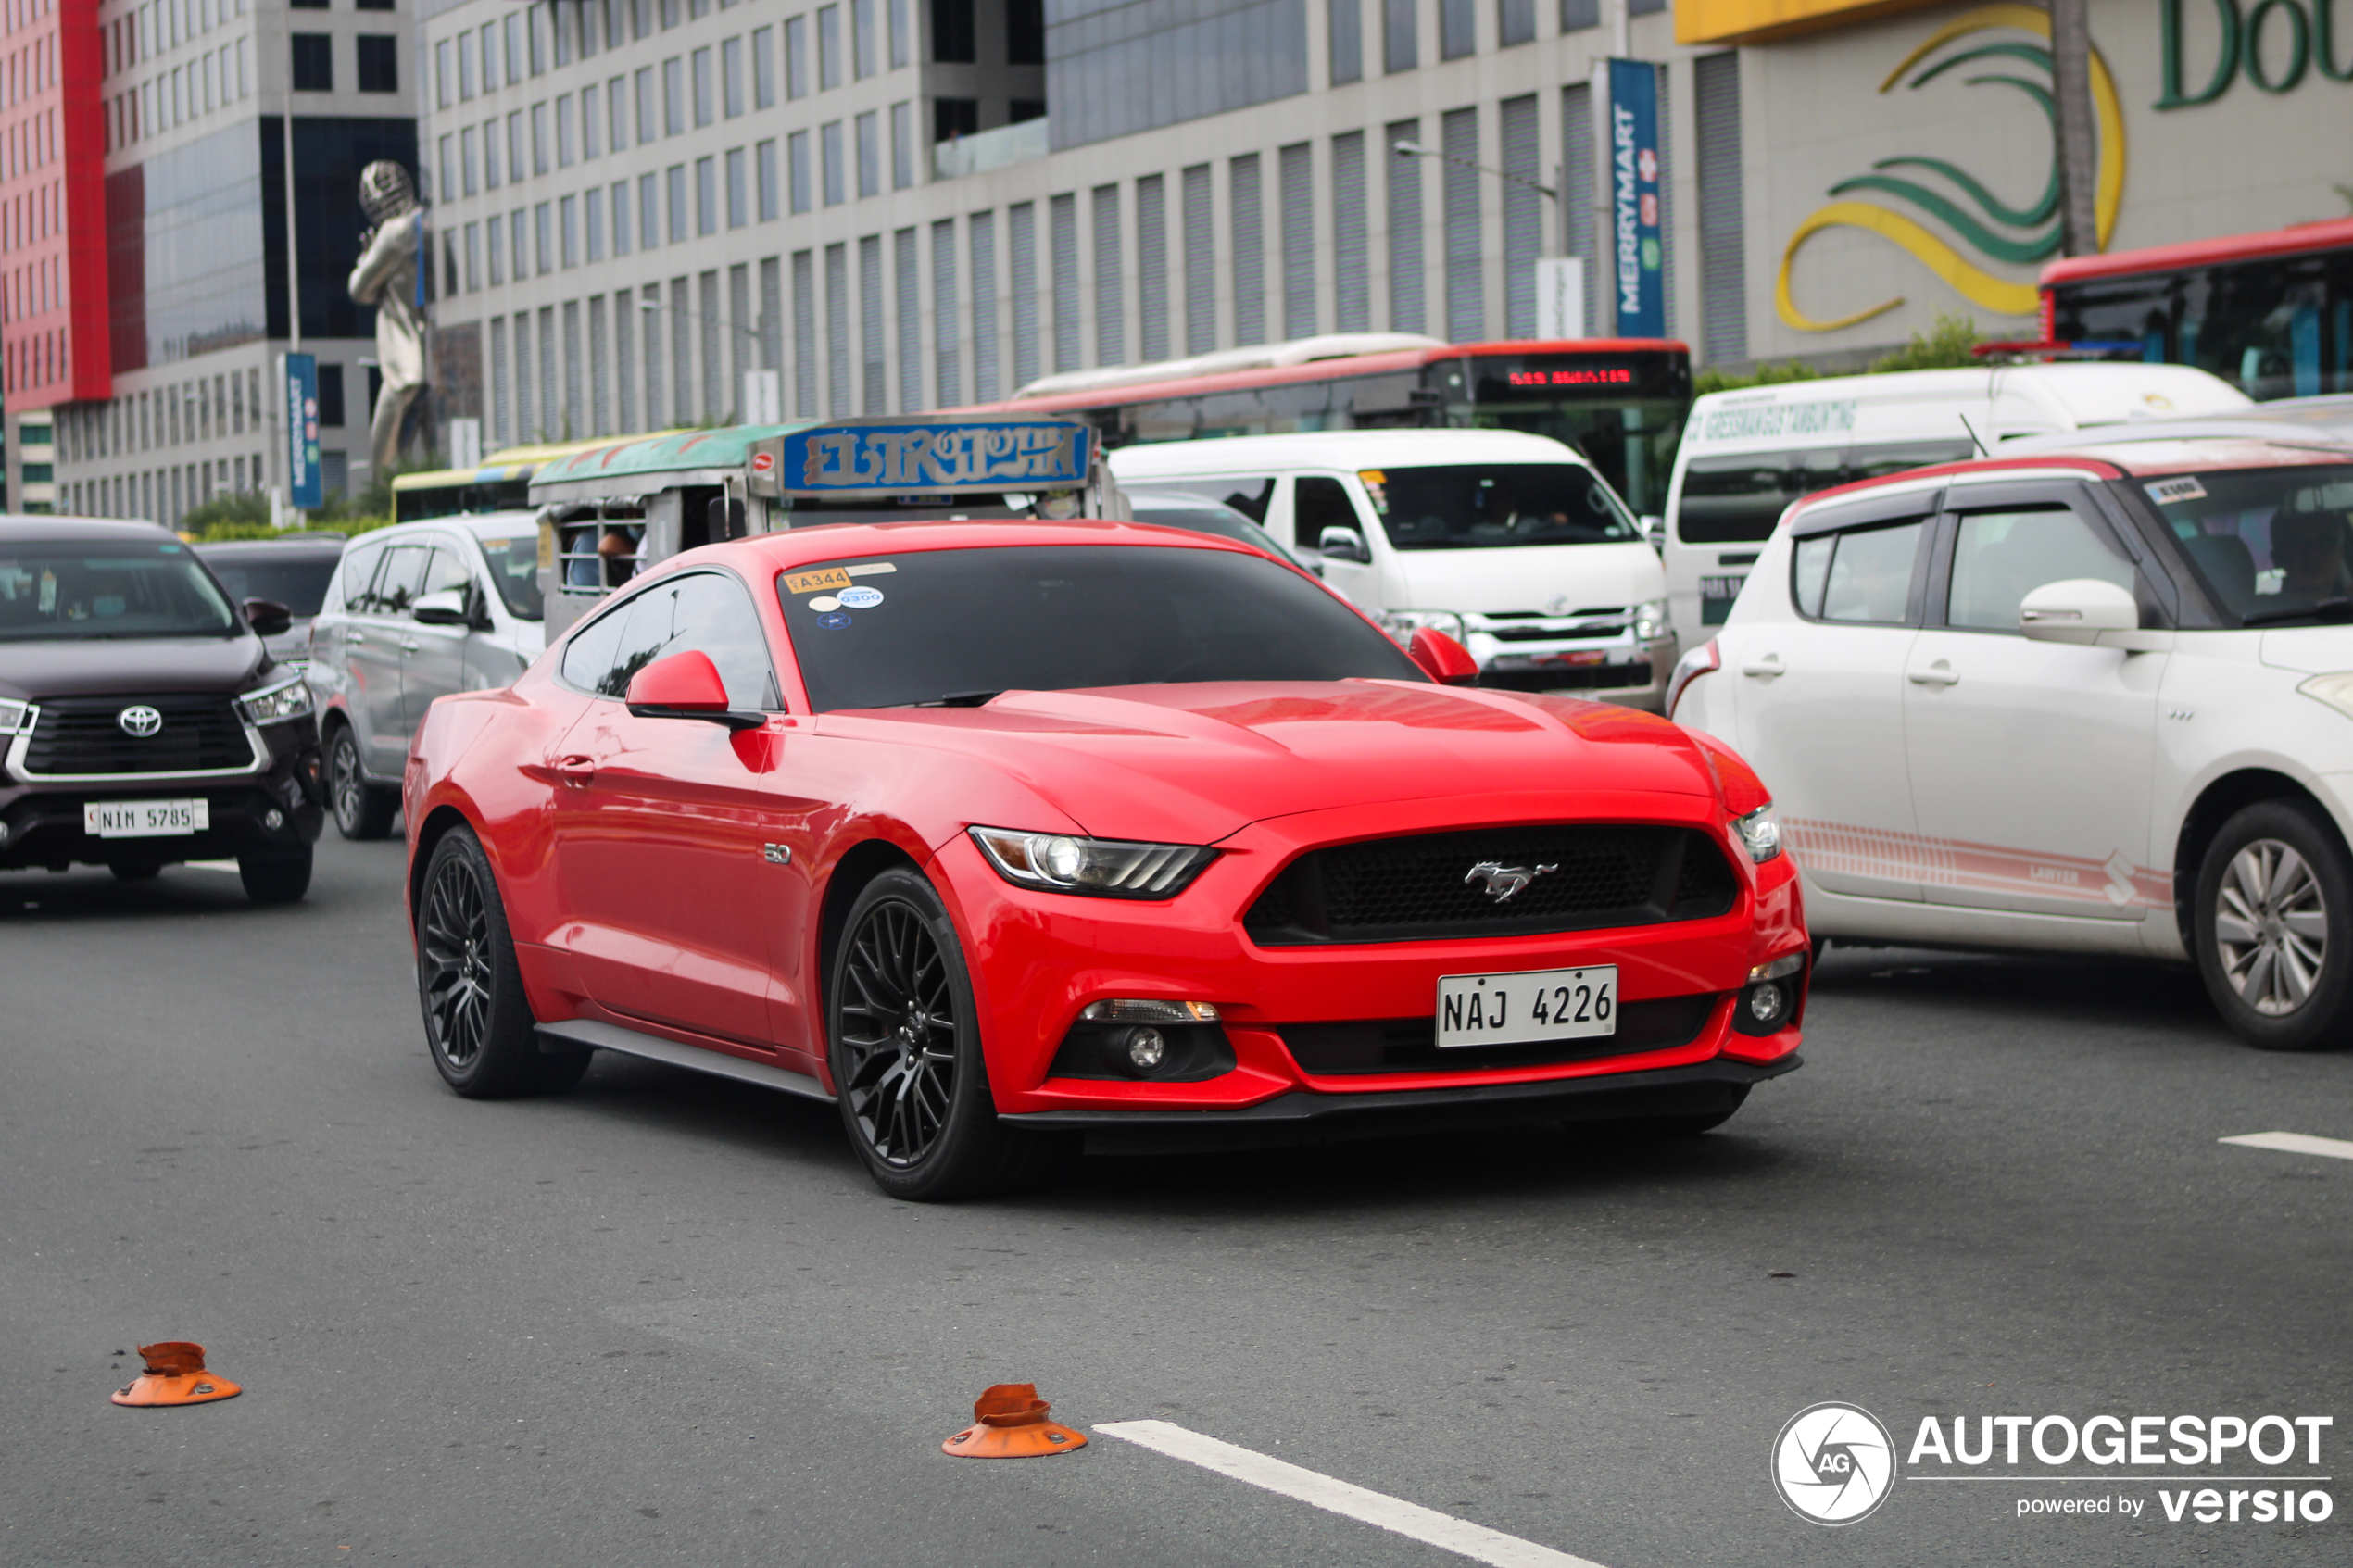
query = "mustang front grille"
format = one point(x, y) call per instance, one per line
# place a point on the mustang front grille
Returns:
point(1577, 878)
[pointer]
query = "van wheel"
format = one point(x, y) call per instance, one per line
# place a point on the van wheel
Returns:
point(2274, 925)
point(363, 810)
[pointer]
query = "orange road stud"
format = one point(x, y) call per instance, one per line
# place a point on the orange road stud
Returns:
point(1008, 1422)
point(175, 1376)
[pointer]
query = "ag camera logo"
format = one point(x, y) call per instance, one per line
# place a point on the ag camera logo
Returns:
point(1833, 1463)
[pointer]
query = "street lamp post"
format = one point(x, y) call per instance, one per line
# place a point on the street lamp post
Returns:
point(1551, 193)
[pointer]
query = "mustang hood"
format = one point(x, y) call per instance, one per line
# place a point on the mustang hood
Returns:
point(1196, 762)
point(128, 666)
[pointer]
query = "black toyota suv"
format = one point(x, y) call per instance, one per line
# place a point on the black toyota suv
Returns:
point(143, 723)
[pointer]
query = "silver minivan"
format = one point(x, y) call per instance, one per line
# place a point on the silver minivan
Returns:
point(416, 611)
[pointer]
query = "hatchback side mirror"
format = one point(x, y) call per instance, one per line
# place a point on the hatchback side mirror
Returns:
point(1344, 543)
point(445, 607)
point(1442, 658)
point(266, 617)
point(2077, 610)
point(686, 685)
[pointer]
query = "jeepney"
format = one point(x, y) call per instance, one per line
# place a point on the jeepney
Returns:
point(609, 510)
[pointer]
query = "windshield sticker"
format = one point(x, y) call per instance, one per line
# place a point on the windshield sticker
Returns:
point(817, 582)
point(1375, 489)
point(48, 592)
point(2168, 490)
point(834, 621)
point(871, 569)
point(824, 603)
point(861, 599)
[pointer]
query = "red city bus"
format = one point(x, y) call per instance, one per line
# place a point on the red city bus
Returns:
point(2271, 313)
point(1620, 401)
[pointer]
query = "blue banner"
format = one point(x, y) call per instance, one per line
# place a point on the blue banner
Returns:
point(300, 373)
point(1637, 256)
point(922, 455)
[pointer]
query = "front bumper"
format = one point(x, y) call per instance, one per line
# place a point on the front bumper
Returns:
point(1616, 670)
point(1038, 959)
point(44, 821)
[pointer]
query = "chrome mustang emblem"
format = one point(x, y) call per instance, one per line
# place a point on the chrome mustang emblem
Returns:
point(140, 720)
point(1499, 881)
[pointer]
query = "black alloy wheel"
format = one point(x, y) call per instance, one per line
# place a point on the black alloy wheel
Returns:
point(478, 1023)
point(906, 1054)
point(2273, 916)
point(363, 810)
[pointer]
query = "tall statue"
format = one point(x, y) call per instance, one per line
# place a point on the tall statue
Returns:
point(390, 253)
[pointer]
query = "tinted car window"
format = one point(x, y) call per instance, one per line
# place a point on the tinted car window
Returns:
point(1736, 500)
point(1999, 558)
point(588, 654)
point(396, 589)
point(1320, 503)
point(94, 589)
point(514, 571)
point(1476, 505)
point(884, 632)
point(358, 575)
point(2272, 545)
point(447, 570)
point(701, 611)
point(300, 584)
point(1863, 576)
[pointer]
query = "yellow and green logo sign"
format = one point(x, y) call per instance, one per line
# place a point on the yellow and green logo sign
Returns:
point(1987, 229)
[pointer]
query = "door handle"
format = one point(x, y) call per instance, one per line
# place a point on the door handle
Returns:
point(575, 768)
point(1767, 667)
point(410, 645)
point(1937, 674)
point(354, 638)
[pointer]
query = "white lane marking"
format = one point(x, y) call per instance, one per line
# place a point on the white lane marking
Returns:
point(2295, 1143)
point(1475, 1541)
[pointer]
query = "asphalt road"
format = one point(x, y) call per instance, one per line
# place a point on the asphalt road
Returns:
point(665, 1320)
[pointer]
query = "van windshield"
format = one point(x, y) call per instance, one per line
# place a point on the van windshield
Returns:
point(1481, 505)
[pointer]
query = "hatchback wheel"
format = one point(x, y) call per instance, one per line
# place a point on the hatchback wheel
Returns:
point(2274, 926)
point(478, 1023)
point(363, 810)
point(906, 1055)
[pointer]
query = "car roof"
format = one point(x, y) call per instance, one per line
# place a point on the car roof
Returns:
point(29, 526)
point(823, 543)
point(480, 525)
point(2103, 459)
point(2328, 419)
point(1346, 449)
point(325, 548)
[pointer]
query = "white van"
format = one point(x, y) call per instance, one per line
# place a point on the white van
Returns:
point(1510, 543)
point(1746, 455)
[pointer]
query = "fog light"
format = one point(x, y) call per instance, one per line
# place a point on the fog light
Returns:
point(1766, 1004)
point(1145, 1047)
point(273, 819)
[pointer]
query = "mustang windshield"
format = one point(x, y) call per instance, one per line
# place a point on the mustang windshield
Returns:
point(959, 626)
point(1481, 505)
point(2274, 545)
point(77, 589)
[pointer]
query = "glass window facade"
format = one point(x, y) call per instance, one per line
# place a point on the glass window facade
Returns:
point(1114, 69)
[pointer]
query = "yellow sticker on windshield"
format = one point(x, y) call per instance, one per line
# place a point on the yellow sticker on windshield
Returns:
point(1372, 476)
point(816, 582)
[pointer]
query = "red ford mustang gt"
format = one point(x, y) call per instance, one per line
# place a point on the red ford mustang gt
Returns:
point(1004, 831)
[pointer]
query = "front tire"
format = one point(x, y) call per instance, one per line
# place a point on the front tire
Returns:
point(904, 1045)
point(363, 810)
point(277, 878)
point(478, 1023)
point(2275, 927)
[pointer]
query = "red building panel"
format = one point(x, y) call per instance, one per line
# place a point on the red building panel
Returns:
point(53, 223)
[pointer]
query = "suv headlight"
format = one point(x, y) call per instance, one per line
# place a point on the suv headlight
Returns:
point(1760, 831)
point(2336, 689)
point(1650, 621)
point(1101, 868)
point(274, 705)
point(1400, 625)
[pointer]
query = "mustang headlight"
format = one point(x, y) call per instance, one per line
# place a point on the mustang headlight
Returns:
point(1650, 621)
point(1761, 832)
point(274, 705)
point(1102, 868)
point(1400, 625)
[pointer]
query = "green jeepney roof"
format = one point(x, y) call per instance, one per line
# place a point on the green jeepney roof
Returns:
point(608, 467)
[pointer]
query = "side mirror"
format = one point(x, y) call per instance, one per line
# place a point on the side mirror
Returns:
point(1442, 658)
point(266, 617)
point(1652, 526)
point(445, 607)
point(2077, 610)
point(1344, 543)
point(686, 685)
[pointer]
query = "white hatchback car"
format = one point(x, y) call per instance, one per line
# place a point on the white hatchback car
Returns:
point(2097, 700)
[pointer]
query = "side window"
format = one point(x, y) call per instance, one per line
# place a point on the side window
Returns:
point(1249, 496)
point(1737, 500)
point(702, 612)
point(396, 590)
point(1894, 457)
point(449, 570)
point(1318, 503)
point(1862, 576)
point(588, 656)
point(2000, 557)
point(358, 578)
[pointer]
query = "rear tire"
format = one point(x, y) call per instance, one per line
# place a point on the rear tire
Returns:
point(2275, 927)
point(278, 878)
point(904, 1045)
point(363, 810)
point(478, 1023)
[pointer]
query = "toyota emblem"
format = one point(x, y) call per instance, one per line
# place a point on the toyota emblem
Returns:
point(140, 720)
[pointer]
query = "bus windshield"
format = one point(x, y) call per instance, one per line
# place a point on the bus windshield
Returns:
point(1482, 506)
